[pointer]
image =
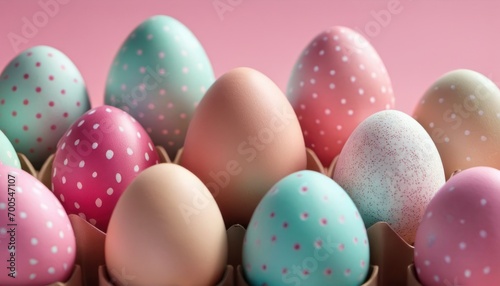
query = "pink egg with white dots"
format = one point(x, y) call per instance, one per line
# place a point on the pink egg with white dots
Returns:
point(37, 242)
point(41, 94)
point(337, 82)
point(96, 159)
point(457, 240)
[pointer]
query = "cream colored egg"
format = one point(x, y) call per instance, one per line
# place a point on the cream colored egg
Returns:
point(461, 112)
point(166, 230)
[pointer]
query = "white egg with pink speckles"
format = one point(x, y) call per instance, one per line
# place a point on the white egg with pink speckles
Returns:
point(391, 169)
point(37, 242)
point(337, 82)
point(457, 240)
point(100, 154)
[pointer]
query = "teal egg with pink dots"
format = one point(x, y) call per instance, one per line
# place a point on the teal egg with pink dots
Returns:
point(159, 76)
point(306, 231)
point(41, 94)
point(8, 155)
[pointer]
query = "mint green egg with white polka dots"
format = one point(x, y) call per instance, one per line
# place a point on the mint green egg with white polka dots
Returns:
point(159, 76)
point(41, 94)
point(8, 155)
point(306, 231)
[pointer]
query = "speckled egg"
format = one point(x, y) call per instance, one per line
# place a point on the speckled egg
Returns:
point(306, 231)
point(37, 242)
point(391, 169)
point(461, 112)
point(96, 159)
point(41, 94)
point(457, 240)
point(337, 82)
point(8, 155)
point(159, 75)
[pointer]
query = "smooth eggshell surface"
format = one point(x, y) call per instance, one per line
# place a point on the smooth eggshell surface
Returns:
point(100, 154)
point(337, 82)
point(306, 230)
point(461, 112)
point(457, 240)
point(166, 230)
point(40, 235)
point(41, 94)
point(391, 169)
point(159, 75)
point(8, 155)
point(243, 138)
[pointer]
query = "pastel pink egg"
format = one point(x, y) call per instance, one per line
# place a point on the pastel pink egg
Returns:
point(457, 240)
point(37, 243)
point(337, 82)
point(96, 159)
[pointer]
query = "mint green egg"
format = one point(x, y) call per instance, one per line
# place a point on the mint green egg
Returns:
point(306, 231)
point(41, 94)
point(159, 75)
point(8, 155)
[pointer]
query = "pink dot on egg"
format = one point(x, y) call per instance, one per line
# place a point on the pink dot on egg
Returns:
point(142, 70)
point(273, 238)
point(78, 103)
point(63, 91)
point(185, 70)
point(53, 127)
point(26, 102)
point(63, 67)
point(150, 37)
point(161, 55)
point(75, 80)
point(32, 150)
point(25, 128)
point(29, 54)
point(14, 113)
point(39, 139)
point(37, 64)
point(6, 76)
point(305, 272)
point(284, 271)
point(183, 115)
point(51, 103)
point(142, 87)
point(38, 115)
point(296, 246)
point(16, 65)
point(139, 52)
point(162, 92)
point(184, 88)
point(304, 189)
point(328, 272)
point(26, 76)
point(161, 71)
point(2, 102)
point(65, 114)
point(38, 89)
point(285, 225)
point(49, 54)
point(323, 221)
point(51, 77)
point(264, 267)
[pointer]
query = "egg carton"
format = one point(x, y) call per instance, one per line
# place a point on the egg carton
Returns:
point(390, 256)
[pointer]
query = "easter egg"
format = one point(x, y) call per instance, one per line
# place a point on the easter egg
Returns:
point(37, 245)
point(391, 169)
point(243, 138)
point(41, 94)
point(159, 75)
point(457, 240)
point(306, 231)
point(8, 155)
point(99, 155)
point(337, 82)
point(166, 230)
point(461, 112)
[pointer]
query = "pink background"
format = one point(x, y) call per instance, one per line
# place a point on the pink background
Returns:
point(426, 39)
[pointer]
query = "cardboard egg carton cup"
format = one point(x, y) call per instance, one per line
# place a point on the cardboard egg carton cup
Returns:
point(391, 258)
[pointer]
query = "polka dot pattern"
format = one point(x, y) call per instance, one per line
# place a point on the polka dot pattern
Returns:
point(461, 113)
point(159, 76)
point(391, 169)
point(43, 232)
point(93, 164)
point(338, 80)
point(295, 233)
point(8, 155)
point(32, 107)
point(458, 242)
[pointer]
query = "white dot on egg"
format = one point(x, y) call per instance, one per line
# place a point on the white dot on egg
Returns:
point(431, 125)
point(51, 270)
point(337, 48)
point(452, 86)
point(362, 66)
point(372, 99)
point(468, 158)
point(118, 177)
point(322, 52)
point(130, 151)
point(317, 121)
point(339, 127)
point(486, 270)
point(321, 132)
point(61, 234)
point(383, 89)
point(441, 100)
point(467, 132)
point(480, 112)
point(81, 164)
point(436, 278)
point(343, 101)
point(453, 116)
point(316, 68)
point(332, 72)
point(373, 74)
point(81, 123)
point(332, 85)
point(136, 168)
point(98, 202)
point(302, 106)
point(94, 145)
point(79, 185)
point(427, 263)
point(467, 273)
point(447, 259)
point(462, 245)
point(109, 154)
point(109, 191)
point(94, 174)
point(312, 81)
point(49, 224)
point(345, 59)
point(77, 205)
point(353, 78)
point(61, 196)
point(328, 111)
point(446, 139)
point(484, 138)
point(314, 95)
point(483, 202)
point(350, 112)
point(483, 233)
point(146, 156)
point(34, 241)
point(361, 91)
point(53, 249)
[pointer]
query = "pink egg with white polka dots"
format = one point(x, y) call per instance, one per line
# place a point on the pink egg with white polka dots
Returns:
point(337, 82)
point(96, 159)
point(41, 94)
point(457, 240)
point(37, 242)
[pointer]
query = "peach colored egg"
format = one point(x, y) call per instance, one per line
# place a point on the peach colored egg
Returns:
point(166, 229)
point(457, 240)
point(337, 82)
point(461, 112)
point(243, 138)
